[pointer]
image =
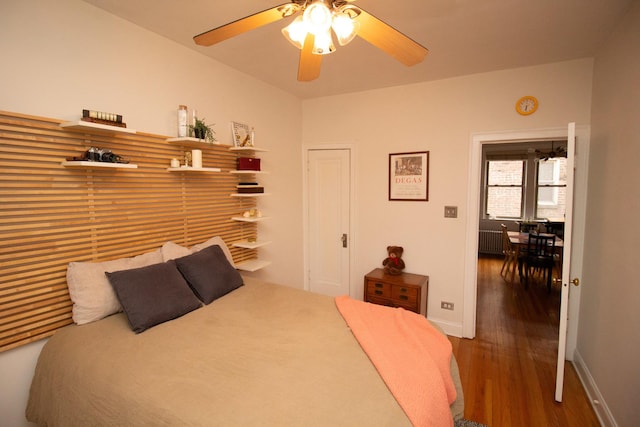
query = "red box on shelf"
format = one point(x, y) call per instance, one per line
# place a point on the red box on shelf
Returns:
point(248, 164)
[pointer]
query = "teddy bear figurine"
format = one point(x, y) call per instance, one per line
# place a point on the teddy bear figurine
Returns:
point(394, 264)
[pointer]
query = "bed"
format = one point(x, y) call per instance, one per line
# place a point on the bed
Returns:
point(261, 354)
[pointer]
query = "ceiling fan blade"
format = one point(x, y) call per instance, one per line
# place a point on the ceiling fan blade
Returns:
point(390, 40)
point(240, 26)
point(309, 65)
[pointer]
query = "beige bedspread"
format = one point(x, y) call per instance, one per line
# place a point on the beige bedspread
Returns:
point(263, 355)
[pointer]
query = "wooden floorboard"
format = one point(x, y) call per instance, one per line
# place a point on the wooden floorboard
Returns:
point(508, 370)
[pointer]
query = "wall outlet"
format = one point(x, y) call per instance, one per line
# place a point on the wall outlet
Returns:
point(446, 305)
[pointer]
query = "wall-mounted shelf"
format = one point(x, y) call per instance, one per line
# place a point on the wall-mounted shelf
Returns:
point(247, 149)
point(250, 245)
point(249, 218)
point(88, 164)
point(249, 194)
point(246, 172)
point(94, 127)
point(252, 265)
point(188, 141)
point(192, 169)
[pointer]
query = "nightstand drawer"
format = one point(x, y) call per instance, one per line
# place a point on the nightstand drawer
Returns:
point(406, 294)
point(378, 289)
point(394, 303)
point(380, 301)
point(407, 306)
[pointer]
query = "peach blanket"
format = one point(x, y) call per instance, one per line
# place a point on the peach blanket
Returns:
point(412, 357)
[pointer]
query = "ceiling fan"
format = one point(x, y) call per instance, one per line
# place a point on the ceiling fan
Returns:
point(555, 152)
point(311, 32)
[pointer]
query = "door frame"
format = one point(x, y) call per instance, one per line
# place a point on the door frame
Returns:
point(306, 148)
point(470, 285)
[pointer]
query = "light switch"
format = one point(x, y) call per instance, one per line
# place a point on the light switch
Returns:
point(450, 211)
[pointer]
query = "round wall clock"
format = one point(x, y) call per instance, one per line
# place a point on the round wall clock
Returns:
point(527, 105)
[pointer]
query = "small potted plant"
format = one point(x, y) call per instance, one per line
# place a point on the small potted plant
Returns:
point(202, 131)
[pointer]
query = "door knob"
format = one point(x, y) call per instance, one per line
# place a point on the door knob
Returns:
point(576, 281)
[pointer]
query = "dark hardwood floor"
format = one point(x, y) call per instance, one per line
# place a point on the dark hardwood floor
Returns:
point(508, 371)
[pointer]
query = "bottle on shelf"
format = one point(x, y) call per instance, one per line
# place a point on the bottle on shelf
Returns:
point(182, 120)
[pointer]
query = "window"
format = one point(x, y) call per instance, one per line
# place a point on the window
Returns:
point(519, 185)
point(504, 196)
point(551, 188)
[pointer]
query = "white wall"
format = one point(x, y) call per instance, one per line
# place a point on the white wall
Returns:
point(609, 337)
point(16, 370)
point(60, 57)
point(438, 117)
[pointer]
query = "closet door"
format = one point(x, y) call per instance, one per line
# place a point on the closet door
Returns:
point(328, 193)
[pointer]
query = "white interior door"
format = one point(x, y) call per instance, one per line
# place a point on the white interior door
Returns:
point(566, 261)
point(328, 193)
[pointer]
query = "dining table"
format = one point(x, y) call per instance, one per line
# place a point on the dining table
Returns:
point(519, 240)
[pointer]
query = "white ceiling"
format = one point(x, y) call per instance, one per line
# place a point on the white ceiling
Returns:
point(463, 37)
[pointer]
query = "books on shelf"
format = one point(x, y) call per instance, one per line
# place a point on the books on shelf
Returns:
point(249, 188)
point(103, 118)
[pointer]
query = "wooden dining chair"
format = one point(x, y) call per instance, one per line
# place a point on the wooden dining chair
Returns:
point(510, 262)
point(540, 257)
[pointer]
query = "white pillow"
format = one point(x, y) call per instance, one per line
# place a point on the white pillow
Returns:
point(172, 250)
point(215, 241)
point(91, 293)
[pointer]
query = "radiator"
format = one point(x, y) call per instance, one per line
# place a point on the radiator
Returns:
point(490, 242)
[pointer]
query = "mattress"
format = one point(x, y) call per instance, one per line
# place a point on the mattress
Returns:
point(262, 355)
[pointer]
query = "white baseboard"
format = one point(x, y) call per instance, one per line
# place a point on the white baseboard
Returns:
point(449, 328)
point(597, 401)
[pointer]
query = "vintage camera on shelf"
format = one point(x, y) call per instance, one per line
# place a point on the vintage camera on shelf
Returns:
point(101, 155)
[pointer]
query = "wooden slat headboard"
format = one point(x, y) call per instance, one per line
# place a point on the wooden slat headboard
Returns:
point(51, 215)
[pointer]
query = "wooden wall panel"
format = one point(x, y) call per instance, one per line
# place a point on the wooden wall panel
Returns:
point(51, 215)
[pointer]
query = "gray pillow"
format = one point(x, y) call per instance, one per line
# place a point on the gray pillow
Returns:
point(152, 295)
point(209, 273)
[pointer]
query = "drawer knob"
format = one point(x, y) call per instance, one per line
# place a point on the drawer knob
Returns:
point(379, 285)
point(404, 297)
point(403, 289)
point(377, 292)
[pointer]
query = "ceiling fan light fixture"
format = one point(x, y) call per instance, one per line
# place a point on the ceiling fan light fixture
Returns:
point(344, 27)
point(317, 17)
point(323, 44)
point(554, 153)
point(289, 9)
point(296, 32)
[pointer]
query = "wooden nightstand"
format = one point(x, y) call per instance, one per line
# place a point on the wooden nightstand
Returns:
point(406, 290)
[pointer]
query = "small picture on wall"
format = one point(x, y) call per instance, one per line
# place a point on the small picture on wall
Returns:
point(409, 176)
point(241, 134)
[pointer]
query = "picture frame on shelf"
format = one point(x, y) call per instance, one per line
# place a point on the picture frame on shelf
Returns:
point(409, 176)
point(241, 134)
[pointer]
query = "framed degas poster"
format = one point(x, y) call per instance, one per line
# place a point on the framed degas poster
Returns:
point(409, 176)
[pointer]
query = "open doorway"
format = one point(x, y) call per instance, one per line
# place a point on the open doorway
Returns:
point(578, 138)
point(523, 190)
point(478, 140)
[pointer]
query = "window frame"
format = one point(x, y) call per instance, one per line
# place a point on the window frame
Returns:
point(487, 186)
point(528, 153)
point(554, 185)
